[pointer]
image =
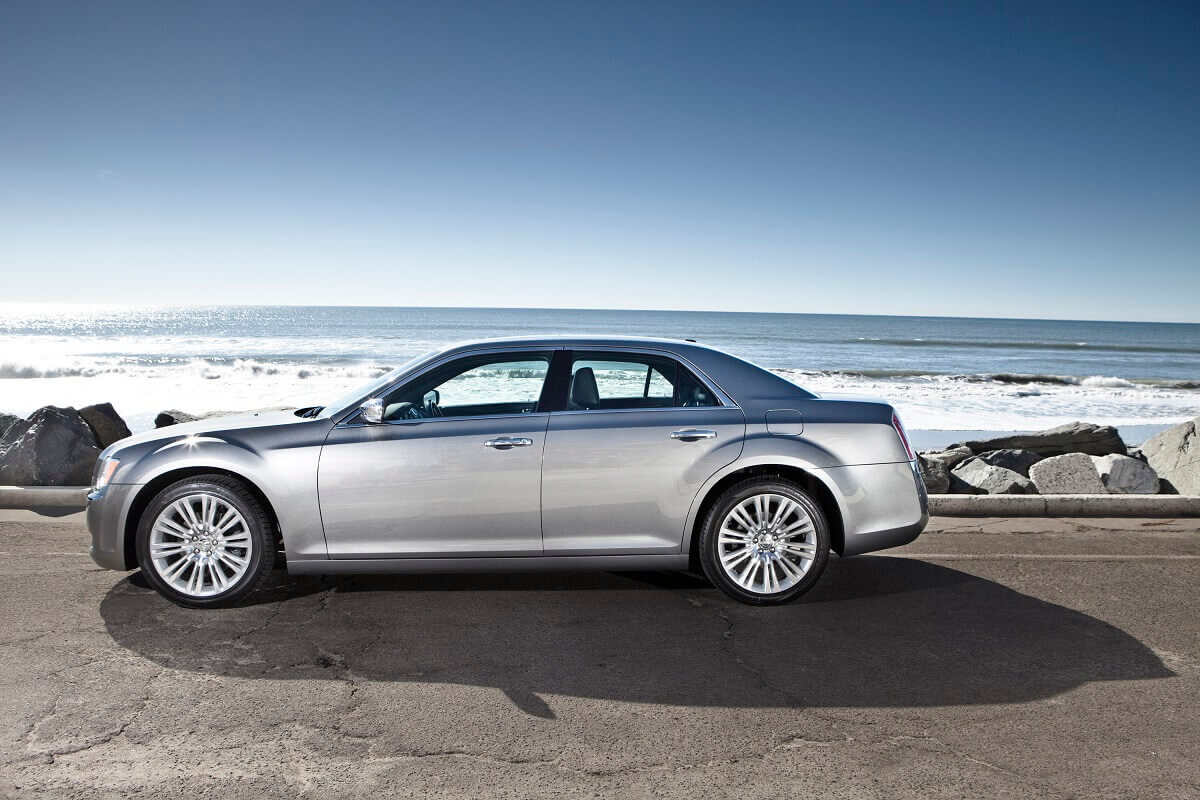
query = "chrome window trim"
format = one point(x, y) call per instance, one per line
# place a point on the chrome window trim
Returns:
point(351, 423)
point(346, 420)
point(724, 399)
point(642, 410)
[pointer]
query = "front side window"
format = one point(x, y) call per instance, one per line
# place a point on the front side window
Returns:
point(472, 386)
point(614, 381)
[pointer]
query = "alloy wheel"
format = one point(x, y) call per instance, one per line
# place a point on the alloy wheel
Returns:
point(200, 545)
point(767, 543)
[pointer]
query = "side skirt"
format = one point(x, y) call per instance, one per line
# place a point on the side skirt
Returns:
point(352, 566)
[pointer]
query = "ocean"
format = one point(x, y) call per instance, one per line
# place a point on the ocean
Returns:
point(943, 374)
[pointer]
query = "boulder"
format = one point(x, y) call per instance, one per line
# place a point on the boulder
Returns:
point(54, 447)
point(1125, 475)
point(106, 424)
point(1175, 456)
point(950, 457)
point(1074, 437)
point(173, 417)
point(1073, 473)
point(990, 479)
point(934, 474)
point(6, 420)
point(1019, 461)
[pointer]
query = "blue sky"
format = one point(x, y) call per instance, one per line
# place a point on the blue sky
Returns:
point(1003, 159)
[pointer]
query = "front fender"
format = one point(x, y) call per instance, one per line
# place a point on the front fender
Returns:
point(281, 465)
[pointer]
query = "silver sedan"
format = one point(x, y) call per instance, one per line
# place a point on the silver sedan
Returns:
point(519, 454)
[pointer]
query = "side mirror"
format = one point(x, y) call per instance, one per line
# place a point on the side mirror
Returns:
point(372, 411)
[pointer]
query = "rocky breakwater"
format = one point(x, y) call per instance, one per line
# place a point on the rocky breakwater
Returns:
point(57, 446)
point(1077, 458)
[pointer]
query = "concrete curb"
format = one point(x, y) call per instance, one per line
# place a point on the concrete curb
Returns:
point(1063, 505)
point(43, 497)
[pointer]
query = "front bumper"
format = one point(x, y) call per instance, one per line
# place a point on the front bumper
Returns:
point(106, 513)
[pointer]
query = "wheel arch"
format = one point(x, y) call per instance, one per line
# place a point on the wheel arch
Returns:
point(820, 491)
point(150, 490)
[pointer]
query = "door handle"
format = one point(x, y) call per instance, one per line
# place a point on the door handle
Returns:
point(505, 442)
point(692, 434)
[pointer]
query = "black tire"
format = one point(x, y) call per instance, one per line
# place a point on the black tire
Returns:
point(708, 543)
point(258, 523)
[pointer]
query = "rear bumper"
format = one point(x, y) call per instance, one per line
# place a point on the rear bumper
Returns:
point(106, 514)
point(883, 505)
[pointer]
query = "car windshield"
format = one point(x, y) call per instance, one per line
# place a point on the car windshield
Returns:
point(344, 402)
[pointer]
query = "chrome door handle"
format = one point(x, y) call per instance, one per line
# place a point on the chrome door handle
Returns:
point(692, 434)
point(505, 442)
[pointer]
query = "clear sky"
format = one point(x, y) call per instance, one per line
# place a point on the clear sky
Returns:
point(994, 159)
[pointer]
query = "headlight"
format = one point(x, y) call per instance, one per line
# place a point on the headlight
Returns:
point(105, 473)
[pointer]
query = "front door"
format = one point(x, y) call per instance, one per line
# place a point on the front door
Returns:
point(453, 470)
point(626, 459)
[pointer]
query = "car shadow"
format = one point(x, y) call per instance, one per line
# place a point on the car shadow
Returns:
point(877, 631)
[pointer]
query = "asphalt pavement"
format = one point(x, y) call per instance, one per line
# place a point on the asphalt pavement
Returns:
point(990, 658)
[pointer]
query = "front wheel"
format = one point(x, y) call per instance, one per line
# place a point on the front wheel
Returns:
point(765, 541)
point(205, 541)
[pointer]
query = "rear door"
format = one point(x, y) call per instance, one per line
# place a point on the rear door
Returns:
point(627, 453)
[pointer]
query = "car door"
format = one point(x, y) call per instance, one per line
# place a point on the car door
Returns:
point(626, 455)
point(454, 468)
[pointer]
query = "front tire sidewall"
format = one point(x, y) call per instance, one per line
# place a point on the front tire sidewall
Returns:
point(708, 547)
point(262, 554)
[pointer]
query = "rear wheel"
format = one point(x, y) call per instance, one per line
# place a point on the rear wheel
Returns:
point(205, 541)
point(765, 541)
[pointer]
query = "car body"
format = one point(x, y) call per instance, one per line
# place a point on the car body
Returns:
point(535, 453)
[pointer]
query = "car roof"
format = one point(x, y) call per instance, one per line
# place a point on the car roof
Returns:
point(563, 340)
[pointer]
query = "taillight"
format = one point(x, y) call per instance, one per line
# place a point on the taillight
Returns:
point(903, 436)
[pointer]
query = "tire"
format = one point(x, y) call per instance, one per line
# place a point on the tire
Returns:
point(212, 542)
point(735, 534)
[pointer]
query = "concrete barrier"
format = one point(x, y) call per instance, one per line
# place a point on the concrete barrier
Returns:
point(1063, 505)
point(43, 496)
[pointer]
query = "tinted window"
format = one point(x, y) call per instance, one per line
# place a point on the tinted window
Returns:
point(473, 386)
point(610, 381)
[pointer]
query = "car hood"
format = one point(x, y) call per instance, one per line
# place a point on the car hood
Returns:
point(254, 419)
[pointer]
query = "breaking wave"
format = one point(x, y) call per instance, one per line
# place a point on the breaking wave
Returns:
point(1017, 345)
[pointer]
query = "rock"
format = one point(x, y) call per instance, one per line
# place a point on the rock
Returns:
point(1125, 475)
point(6, 420)
point(173, 417)
point(54, 447)
point(105, 422)
point(1175, 456)
point(935, 475)
point(1019, 461)
point(950, 457)
point(990, 479)
point(1073, 473)
point(1074, 437)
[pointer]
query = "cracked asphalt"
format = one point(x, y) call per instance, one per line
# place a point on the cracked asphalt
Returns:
point(990, 658)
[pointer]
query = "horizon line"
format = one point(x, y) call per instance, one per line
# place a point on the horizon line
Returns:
point(87, 304)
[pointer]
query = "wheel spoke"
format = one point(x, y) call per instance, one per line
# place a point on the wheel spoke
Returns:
point(176, 569)
point(731, 560)
point(781, 511)
point(739, 516)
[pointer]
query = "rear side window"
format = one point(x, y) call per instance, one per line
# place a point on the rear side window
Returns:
point(616, 381)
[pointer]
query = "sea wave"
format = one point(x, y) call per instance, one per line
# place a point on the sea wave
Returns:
point(1000, 344)
point(1097, 381)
